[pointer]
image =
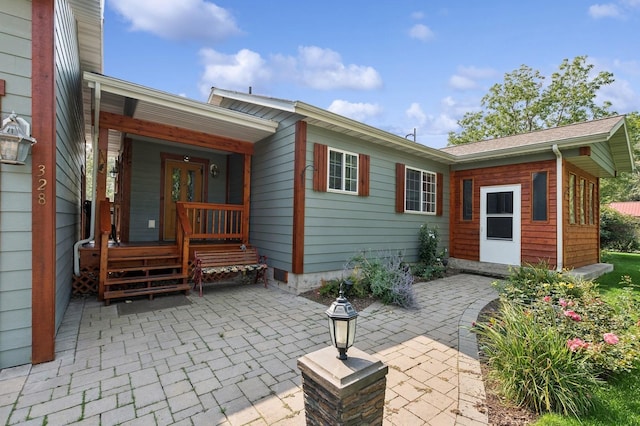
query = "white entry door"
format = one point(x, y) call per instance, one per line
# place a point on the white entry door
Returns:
point(500, 224)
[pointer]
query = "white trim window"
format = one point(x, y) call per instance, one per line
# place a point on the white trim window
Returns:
point(343, 171)
point(420, 191)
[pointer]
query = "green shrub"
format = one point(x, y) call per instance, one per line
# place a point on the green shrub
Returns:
point(428, 249)
point(429, 265)
point(528, 283)
point(388, 277)
point(618, 232)
point(359, 287)
point(531, 362)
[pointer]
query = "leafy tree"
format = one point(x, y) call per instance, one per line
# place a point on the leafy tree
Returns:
point(625, 187)
point(522, 103)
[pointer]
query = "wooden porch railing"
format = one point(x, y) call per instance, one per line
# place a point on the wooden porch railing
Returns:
point(215, 221)
point(206, 221)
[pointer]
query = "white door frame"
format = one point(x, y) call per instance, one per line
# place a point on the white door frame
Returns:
point(495, 249)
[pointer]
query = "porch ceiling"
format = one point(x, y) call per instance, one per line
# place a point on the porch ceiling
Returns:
point(142, 103)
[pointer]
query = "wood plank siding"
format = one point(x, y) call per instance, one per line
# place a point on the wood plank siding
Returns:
point(15, 215)
point(538, 238)
point(581, 239)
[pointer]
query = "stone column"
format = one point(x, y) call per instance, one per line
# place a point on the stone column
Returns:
point(349, 392)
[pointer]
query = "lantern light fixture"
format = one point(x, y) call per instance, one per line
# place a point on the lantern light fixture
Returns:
point(342, 323)
point(15, 140)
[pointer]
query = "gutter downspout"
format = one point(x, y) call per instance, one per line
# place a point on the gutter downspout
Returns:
point(559, 209)
point(97, 95)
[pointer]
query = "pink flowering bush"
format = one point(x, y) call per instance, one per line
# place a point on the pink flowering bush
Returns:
point(608, 332)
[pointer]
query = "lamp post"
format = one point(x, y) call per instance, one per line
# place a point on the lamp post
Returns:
point(342, 324)
point(340, 391)
point(15, 140)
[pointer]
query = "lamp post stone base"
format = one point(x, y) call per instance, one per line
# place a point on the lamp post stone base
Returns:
point(349, 392)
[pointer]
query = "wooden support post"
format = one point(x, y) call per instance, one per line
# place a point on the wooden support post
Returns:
point(43, 191)
point(101, 180)
point(246, 198)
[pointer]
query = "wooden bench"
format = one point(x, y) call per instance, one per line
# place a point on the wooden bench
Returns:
point(216, 265)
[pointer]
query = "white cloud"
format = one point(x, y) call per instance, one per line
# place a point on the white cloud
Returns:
point(621, 95)
point(314, 67)
point(417, 15)
point(608, 10)
point(355, 110)
point(460, 82)
point(421, 32)
point(478, 73)
point(467, 78)
point(415, 112)
point(323, 69)
point(629, 67)
point(428, 124)
point(443, 124)
point(183, 20)
point(237, 72)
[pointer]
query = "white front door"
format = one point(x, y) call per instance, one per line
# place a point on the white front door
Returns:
point(500, 224)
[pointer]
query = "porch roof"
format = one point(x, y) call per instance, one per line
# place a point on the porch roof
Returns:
point(111, 95)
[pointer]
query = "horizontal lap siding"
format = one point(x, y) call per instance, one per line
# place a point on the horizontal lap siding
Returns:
point(340, 225)
point(581, 242)
point(15, 190)
point(271, 220)
point(538, 238)
point(69, 151)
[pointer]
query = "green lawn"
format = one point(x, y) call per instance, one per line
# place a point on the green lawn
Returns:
point(618, 401)
point(623, 264)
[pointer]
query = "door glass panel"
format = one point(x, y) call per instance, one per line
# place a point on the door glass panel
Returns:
point(500, 228)
point(500, 202)
point(190, 185)
point(175, 184)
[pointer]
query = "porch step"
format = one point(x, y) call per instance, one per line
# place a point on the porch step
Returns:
point(144, 268)
point(144, 279)
point(124, 258)
point(143, 271)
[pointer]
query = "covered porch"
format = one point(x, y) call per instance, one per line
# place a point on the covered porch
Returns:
point(181, 173)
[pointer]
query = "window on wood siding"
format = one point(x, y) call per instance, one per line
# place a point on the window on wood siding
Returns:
point(467, 199)
point(336, 170)
point(581, 200)
point(540, 196)
point(590, 202)
point(572, 198)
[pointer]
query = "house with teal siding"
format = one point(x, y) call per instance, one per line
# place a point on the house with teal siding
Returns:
point(44, 48)
point(305, 187)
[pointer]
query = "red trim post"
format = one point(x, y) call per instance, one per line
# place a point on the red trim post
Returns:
point(43, 194)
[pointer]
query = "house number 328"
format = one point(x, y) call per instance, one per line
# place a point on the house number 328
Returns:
point(42, 184)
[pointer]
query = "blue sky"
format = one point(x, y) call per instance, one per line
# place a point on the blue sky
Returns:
point(396, 65)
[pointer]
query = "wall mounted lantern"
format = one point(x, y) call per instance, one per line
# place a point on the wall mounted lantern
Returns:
point(213, 169)
point(15, 140)
point(342, 324)
point(114, 170)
